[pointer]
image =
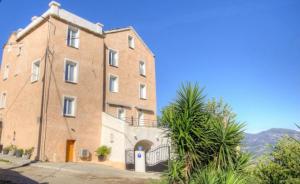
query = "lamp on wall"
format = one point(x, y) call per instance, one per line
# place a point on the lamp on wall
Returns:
point(135, 137)
point(111, 138)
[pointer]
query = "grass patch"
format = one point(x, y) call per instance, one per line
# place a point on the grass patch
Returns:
point(5, 161)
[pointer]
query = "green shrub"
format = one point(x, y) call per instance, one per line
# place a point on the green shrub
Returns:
point(21, 151)
point(282, 165)
point(103, 151)
point(12, 147)
point(29, 151)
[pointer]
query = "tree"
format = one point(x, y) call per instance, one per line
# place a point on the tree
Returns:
point(204, 136)
point(282, 165)
point(186, 120)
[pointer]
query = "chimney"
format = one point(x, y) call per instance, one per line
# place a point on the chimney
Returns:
point(54, 7)
point(99, 27)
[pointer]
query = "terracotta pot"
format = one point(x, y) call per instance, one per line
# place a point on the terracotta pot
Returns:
point(11, 152)
point(26, 156)
point(101, 158)
point(5, 152)
point(18, 154)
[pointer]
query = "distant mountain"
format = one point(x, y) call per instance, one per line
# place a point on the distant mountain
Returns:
point(257, 144)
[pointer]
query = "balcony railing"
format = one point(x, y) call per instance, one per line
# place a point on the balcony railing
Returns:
point(137, 122)
point(141, 123)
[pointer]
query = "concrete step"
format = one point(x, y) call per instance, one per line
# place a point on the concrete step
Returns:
point(16, 160)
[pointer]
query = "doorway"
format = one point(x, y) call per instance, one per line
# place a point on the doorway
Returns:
point(70, 150)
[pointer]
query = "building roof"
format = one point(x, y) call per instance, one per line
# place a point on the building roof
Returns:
point(55, 11)
point(116, 30)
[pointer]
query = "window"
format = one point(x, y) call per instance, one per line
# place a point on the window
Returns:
point(113, 84)
point(113, 57)
point(3, 100)
point(121, 114)
point(6, 71)
point(35, 71)
point(141, 120)
point(143, 94)
point(142, 68)
point(131, 42)
point(71, 71)
point(69, 106)
point(73, 37)
point(19, 51)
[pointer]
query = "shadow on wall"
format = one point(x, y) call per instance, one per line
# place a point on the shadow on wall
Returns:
point(9, 176)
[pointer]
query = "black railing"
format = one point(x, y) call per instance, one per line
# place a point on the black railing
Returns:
point(158, 155)
point(138, 122)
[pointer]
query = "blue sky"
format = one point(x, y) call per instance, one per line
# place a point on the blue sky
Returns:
point(247, 52)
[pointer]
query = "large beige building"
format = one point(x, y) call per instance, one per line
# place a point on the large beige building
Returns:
point(68, 86)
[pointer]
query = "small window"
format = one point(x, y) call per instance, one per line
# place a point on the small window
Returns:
point(73, 37)
point(121, 114)
point(142, 68)
point(71, 71)
point(6, 72)
point(69, 106)
point(143, 94)
point(131, 42)
point(3, 100)
point(35, 73)
point(19, 51)
point(113, 58)
point(141, 120)
point(113, 84)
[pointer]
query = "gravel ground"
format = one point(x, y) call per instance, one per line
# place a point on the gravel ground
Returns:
point(10, 174)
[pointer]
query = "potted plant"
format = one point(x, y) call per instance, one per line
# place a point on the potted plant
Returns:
point(12, 150)
point(102, 152)
point(5, 150)
point(28, 152)
point(19, 152)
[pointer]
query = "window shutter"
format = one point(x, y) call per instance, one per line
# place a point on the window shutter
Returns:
point(117, 85)
point(116, 58)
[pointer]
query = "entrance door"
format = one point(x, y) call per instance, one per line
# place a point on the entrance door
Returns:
point(70, 150)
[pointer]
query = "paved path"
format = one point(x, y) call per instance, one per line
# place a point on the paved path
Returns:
point(73, 173)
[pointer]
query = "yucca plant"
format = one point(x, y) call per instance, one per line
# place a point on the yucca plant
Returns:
point(211, 175)
point(186, 120)
point(226, 138)
point(205, 137)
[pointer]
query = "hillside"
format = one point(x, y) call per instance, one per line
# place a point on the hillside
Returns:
point(257, 144)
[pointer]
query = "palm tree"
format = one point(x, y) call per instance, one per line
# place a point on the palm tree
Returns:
point(201, 134)
point(186, 121)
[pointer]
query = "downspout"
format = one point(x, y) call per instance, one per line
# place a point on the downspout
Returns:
point(39, 152)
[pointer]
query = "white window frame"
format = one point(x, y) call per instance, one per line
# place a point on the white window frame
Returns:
point(73, 114)
point(77, 37)
point(141, 121)
point(6, 72)
point(35, 77)
point(117, 57)
point(76, 70)
point(131, 42)
point(119, 115)
point(117, 81)
point(142, 70)
point(3, 100)
point(140, 94)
